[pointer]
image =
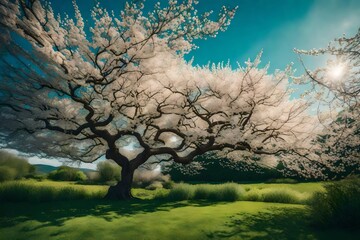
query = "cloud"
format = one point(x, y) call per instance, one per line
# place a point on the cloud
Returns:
point(52, 161)
point(56, 163)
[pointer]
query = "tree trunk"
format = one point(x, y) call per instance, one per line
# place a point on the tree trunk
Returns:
point(122, 190)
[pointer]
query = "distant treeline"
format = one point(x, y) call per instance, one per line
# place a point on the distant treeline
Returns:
point(215, 171)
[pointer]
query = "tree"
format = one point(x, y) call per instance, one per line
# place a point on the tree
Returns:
point(122, 89)
point(14, 167)
point(337, 87)
point(108, 171)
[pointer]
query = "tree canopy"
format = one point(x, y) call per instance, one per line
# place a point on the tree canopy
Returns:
point(86, 90)
point(336, 87)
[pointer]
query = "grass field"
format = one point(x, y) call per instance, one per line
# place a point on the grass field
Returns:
point(161, 219)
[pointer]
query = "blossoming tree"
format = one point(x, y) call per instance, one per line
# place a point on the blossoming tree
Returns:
point(82, 93)
point(337, 88)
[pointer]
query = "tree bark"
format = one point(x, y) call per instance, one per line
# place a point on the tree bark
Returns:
point(122, 190)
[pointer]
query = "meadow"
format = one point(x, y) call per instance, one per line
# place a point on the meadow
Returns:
point(155, 215)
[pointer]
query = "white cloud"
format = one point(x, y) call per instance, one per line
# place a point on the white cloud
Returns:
point(54, 162)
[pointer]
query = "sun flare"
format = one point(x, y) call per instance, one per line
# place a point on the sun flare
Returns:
point(336, 72)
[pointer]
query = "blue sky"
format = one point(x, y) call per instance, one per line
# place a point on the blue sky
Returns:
point(276, 26)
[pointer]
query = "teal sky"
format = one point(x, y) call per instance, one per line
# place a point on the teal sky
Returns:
point(276, 26)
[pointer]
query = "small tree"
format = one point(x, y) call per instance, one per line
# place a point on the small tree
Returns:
point(123, 90)
point(13, 167)
point(65, 173)
point(109, 171)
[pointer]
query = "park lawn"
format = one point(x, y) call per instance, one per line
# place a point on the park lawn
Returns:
point(303, 188)
point(154, 219)
point(159, 219)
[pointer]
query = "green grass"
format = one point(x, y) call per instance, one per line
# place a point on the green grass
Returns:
point(219, 192)
point(40, 191)
point(299, 187)
point(162, 219)
point(338, 206)
point(32, 190)
point(281, 193)
point(153, 219)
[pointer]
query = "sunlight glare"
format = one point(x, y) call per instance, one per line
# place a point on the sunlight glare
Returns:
point(173, 139)
point(337, 71)
point(157, 169)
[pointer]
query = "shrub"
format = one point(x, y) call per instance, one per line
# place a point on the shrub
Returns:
point(220, 192)
point(65, 173)
point(169, 184)
point(181, 192)
point(277, 195)
point(253, 196)
point(282, 180)
point(80, 176)
point(14, 167)
point(38, 177)
point(281, 196)
point(229, 192)
point(202, 192)
point(109, 171)
point(339, 205)
point(154, 185)
point(7, 173)
point(144, 178)
point(93, 176)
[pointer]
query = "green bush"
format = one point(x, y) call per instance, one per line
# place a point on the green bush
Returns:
point(202, 192)
point(281, 196)
point(144, 178)
point(7, 173)
point(38, 177)
point(18, 192)
point(154, 185)
point(168, 184)
point(93, 176)
point(234, 192)
point(229, 192)
point(277, 195)
point(220, 192)
point(181, 192)
point(65, 173)
point(339, 205)
point(282, 180)
point(253, 196)
point(13, 167)
point(109, 171)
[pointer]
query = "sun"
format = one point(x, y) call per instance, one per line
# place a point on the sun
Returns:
point(337, 71)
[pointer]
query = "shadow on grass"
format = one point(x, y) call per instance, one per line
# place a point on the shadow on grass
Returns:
point(272, 223)
point(277, 224)
point(56, 213)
